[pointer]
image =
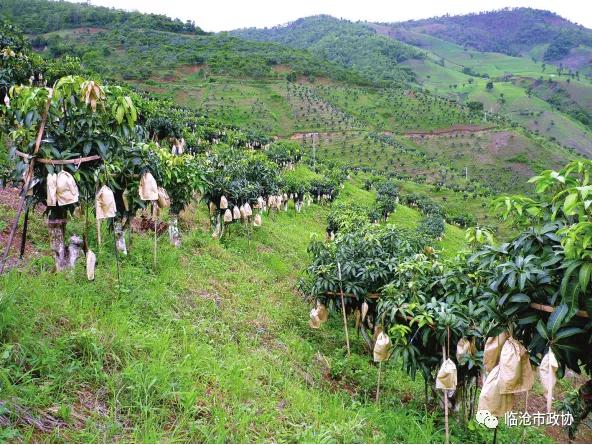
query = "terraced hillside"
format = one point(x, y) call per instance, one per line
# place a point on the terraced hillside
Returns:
point(504, 82)
point(551, 100)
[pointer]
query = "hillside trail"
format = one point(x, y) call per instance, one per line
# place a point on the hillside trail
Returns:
point(454, 129)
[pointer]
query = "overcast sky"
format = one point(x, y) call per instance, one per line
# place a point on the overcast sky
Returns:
point(223, 15)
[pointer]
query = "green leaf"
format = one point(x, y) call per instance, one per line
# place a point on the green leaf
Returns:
point(541, 329)
point(567, 274)
point(568, 332)
point(556, 319)
point(530, 319)
point(520, 298)
point(570, 202)
point(119, 115)
point(585, 275)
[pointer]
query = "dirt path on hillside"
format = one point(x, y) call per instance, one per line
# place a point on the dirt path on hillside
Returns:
point(450, 130)
point(322, 134)
point(455, 129)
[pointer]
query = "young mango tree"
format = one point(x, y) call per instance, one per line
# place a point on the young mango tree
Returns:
point(429, 308)
point(387, 197)
point(284, 153)
point(183, 177)
point(540, 281)
point(237, 178)
point(80, 125)
point(359, 262)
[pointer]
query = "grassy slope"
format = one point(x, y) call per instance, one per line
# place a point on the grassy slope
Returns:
point(212, 347)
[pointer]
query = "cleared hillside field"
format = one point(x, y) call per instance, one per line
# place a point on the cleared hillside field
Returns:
point(493, 64)
point(513, 155)
point(443, 72)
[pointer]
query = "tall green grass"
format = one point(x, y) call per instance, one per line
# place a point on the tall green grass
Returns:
point(212, 346)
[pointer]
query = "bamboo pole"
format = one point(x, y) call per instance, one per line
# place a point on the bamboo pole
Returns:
point(343, 309)
point(27, 181)
point(98, 223)
point(116, 256)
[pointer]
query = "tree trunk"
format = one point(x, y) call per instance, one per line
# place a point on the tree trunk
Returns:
point(218, 227)
point(120, 239)
point(174, 235)
point(65, 256)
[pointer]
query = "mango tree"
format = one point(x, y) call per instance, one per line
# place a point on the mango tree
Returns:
point(183, 177)
point(85, 125)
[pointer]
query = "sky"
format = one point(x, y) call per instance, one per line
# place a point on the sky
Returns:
point(224, 15)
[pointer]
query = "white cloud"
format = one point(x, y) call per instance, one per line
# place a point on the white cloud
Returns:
point(221, 15)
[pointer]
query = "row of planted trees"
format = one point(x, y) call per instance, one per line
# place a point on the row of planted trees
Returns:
point(81, 145)
point(517, 305)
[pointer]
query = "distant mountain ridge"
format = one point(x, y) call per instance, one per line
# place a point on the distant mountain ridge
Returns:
point(511, 31)
point(351, 44)
point(375, 68)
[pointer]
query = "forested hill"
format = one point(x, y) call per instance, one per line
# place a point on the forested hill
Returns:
point(353, 45)
point(42, 16)
point(518, 31)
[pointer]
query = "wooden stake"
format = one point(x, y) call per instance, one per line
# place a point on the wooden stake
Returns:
point(116, 256)
point(154, 215)
point(446, 416)
point(24, 237)
point(27, 182)
point(446, 401)
point(343, 309)
point(98, 222)
point(526, 410)
point(378, 382)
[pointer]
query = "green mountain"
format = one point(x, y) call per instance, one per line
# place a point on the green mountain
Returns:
point(353, 45)
point(540, 34)
point(41, 16)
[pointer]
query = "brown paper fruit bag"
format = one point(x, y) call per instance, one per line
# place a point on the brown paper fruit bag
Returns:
point(492, 350)
point(516, 374)
point(105, 203)
point(547, 376)
point(148, 189)
point(51, 185)
point(382, 347)
point(447, 375)
point(164, 202)
point(490, 397)
point(66, 189)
